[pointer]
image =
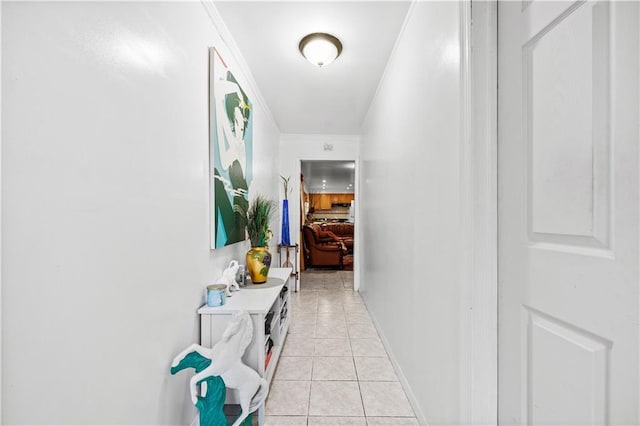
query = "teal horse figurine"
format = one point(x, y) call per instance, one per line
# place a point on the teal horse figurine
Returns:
point(210, 406)
point(220, 367)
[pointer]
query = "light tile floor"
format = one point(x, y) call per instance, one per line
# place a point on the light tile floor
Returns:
point(334, 369)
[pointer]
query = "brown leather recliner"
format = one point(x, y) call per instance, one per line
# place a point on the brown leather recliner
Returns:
point(322, 250)
point(344, 232)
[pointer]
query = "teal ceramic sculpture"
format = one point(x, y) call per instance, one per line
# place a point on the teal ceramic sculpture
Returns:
point(211, 405)
point(226, 370)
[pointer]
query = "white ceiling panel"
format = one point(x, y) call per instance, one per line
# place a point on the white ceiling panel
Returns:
point(329, 176)
point(303, 98)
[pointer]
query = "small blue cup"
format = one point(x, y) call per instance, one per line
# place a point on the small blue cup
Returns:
point(216, 295)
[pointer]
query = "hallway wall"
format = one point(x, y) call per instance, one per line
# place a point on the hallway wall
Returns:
point(105, 227)
point(411, 208)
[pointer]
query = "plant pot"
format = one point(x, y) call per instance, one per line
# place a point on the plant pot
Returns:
point(258, 264)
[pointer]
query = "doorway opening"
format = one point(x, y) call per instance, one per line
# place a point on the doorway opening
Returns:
point(328, 214)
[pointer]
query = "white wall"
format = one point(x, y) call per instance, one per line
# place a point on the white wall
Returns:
point(1, 398)
point(105, 227)
point(411, 209)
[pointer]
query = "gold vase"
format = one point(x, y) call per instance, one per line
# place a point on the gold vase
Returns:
point(258, 264)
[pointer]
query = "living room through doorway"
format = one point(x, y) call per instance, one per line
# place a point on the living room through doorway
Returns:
point(328, 214)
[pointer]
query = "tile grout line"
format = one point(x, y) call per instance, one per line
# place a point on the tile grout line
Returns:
point(353, 359)
point(344, 310)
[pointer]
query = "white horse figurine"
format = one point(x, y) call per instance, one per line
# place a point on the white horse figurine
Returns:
point(226, 357)
point(228, 277)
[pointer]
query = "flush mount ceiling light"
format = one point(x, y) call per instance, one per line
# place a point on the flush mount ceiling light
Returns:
point(320, 48)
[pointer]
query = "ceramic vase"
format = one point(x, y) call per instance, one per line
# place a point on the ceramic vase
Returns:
point(258, 264)
point(286, 240)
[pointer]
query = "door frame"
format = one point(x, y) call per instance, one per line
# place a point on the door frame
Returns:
point(479, 279)
point(356, 195)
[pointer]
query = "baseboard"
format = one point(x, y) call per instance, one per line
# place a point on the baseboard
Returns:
point(401, 377)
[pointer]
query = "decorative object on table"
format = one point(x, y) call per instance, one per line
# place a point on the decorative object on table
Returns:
point(228, 277)
point(216, 295)
point(257, 222)
point(251, 388)
point(241, 276)
point(230, 152)
point(258, 264)
point(286, 239)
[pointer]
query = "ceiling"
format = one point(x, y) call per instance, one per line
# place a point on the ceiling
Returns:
point(338, 176)
point(303, 98)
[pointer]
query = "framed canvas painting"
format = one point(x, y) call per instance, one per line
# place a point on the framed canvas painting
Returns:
point(230, 152)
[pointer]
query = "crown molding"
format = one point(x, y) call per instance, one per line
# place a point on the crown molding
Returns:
point(233, 50)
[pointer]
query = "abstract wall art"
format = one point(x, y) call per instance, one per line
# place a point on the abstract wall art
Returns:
point(230, 152)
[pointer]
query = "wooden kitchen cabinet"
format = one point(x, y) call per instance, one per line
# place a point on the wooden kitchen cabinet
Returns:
point(326, 201)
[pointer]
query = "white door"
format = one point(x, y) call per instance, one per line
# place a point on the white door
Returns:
point(568, 212)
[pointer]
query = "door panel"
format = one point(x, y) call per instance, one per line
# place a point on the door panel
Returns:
point(565, 123)
point(568, 212)
point(567, 367)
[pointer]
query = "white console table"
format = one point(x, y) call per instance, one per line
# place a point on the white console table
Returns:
point(259, 303)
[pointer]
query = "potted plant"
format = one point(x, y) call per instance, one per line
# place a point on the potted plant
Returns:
point(257, 219)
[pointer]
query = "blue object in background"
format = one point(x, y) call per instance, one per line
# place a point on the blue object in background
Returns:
point(286, 240)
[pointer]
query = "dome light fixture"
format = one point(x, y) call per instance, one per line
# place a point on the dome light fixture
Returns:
point(320, 48)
